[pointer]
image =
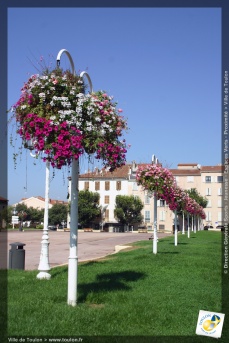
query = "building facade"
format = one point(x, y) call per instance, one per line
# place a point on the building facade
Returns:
point(207, 180)
point(38, 202)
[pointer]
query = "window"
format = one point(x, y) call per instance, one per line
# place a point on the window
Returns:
point(118, 185)
point(135, 186)
point(107, 185)
point(220, 203)
point(209, 204)
point(220, 178)
point(162, 203)
point(208, 216)
point(107, 215)
point(207, 178)
point(208, 191)
point(147, 199)
point(86, 185)
point(147, 216)
point(106, 199)
point(162, 215)
point(219, 191)
point(190, 179)
point(97, 185)
point(219, 216)
point(161, 226)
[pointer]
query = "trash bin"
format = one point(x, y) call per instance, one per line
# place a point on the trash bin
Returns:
point(17, 256)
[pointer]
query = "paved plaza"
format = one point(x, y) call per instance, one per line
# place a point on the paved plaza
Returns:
point(91, 245)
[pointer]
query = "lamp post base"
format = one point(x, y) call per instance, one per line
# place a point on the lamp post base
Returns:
point(43, 275)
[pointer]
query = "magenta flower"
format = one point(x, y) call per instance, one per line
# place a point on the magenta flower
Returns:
point(64, 123)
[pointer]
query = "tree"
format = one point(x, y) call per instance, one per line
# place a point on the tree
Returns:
point(35, 215)
point(22, 211)
point(193, 193)
point(88, 207)
point(58, 214)
point(128, 209)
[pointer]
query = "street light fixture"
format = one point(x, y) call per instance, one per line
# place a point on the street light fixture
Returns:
point(155, 239)
point(73, 257)
point(44, 266)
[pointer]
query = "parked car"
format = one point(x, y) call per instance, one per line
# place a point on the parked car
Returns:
point(208, 227)
point(220, 227)
point(52, 227)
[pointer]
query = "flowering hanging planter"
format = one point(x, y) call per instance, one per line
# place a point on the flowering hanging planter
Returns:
point(156, 179)
point(160, 180)
point(63, 122)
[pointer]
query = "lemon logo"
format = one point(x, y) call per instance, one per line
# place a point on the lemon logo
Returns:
point(211, 324)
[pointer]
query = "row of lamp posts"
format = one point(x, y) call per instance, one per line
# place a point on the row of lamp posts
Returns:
point(44, 267)
point(155, 237)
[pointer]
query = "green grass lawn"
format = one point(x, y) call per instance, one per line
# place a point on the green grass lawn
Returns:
point(132, 293)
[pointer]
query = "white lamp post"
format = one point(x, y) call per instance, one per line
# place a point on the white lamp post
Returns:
point(73, 257)
point(43, 267)
point(44, 257)
point(183, 231)
point(175, 223)
point(188, 226)
point(194, 224)
point(155, 239)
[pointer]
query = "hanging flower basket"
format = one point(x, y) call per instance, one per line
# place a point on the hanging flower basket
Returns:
point(155, 178)
point(63, 122)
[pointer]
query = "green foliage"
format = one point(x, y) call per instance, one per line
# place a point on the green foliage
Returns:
point(6, 214)
point(88, 207)
point(58, 213)
point(128, 209)
point(39, 227)
point(35, 215)
point(193, 193)
point(26, 213)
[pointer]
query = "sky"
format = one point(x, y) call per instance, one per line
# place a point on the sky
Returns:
point(162, 65)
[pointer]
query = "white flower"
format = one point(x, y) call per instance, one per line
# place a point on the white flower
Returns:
point(80, 95)
point(23, 107)
point(41, 95)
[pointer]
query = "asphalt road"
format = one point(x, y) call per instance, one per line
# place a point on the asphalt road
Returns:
point(91, 245)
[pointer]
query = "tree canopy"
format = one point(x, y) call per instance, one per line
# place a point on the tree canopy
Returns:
point(193, 193)
point(128, 209)
point(58, 214)
point(88, 207)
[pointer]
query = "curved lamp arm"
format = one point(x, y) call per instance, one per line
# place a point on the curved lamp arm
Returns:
point(69, 57)
point(84, 73)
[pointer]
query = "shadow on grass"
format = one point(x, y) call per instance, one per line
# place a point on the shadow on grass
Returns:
point(168, 252)
point(109, 282)
point(58, 271)
point(179, 243)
